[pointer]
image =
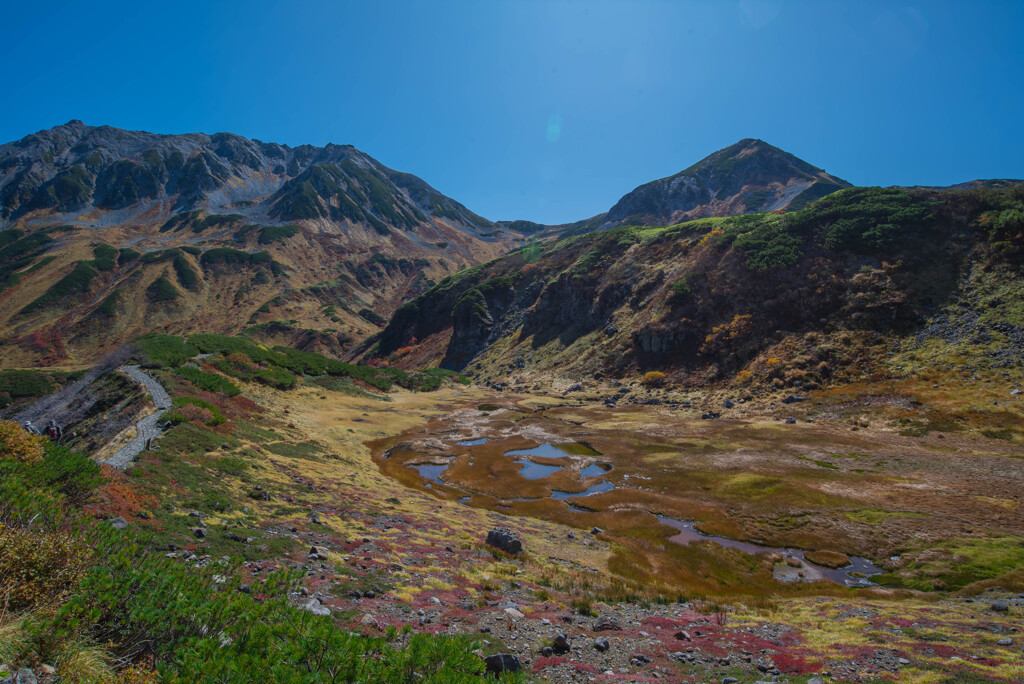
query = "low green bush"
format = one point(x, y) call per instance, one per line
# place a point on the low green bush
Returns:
point(162, 290)
point(182, 401)
point(78, 281)
point(210, 382)
point(165, 350)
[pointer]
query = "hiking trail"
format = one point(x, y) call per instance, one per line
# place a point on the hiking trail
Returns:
point(147, 427)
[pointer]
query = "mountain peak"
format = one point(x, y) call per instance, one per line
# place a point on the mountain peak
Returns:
point(745, 177)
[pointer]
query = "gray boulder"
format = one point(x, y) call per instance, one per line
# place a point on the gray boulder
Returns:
point(316, 608)
point(606, 622)
point(505, 540)
point(502, 662)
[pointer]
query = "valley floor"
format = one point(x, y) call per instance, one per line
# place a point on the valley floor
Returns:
point(302, 481)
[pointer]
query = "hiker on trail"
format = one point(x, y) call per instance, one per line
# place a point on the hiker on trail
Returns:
point(54, 431)
point(30, 428)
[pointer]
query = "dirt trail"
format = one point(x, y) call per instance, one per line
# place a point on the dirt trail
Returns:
point(147, 427)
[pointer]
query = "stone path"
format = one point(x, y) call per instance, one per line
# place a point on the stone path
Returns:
point(147, 427)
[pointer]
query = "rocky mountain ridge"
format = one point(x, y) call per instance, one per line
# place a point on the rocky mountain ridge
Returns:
point(108, 234)
point(73, 168)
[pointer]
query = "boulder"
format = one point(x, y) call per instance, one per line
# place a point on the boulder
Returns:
point(500, 663)
point(999, 606)
point(316, 608)
point(505, 540)
point(793, 399)
point(561, 643)
point(606, 622)
point(118, 523)
point(25, 676)
point(199, 532)
point(601, 644)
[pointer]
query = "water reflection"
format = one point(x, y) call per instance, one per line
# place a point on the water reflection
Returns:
point(853, 575)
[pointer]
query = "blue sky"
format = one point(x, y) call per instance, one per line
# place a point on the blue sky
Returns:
point(547, 111)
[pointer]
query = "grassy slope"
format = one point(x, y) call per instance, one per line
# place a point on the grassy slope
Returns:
point(55, 305)
point(820, 290)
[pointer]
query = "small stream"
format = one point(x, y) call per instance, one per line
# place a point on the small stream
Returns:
point(596, 489)
point(854, 575)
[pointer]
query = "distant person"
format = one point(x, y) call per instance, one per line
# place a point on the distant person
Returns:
point(54, 431)
point(31, 429)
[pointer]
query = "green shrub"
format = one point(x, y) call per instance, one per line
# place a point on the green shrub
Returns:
point(373, 317)
point(861, 219)
point(25, 383)
point(76, 282)
point(165, 350)
point(161, 290)
point(106, 257)
point(209, 382)
point(108, 307)
point(269, 234)
point(186, 275)
point(180, 402)
point(681, 293)
point(769, 245)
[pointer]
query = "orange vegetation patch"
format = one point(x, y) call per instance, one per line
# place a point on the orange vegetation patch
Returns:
point(118, 497)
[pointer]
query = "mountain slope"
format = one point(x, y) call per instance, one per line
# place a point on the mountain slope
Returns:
point(717, 299)
point(111, 233)
point(747, 177)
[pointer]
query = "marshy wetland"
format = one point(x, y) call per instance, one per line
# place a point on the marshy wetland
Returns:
point(741, 505)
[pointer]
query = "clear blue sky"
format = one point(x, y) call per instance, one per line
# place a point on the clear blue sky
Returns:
point(547, 111)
